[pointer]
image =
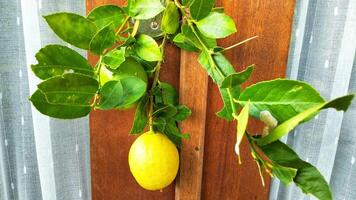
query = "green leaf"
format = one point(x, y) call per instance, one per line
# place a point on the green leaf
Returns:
point(72, 28)
point(168, 126)
point(111, 94)
point(166, 111)
point(201, 8)
point(115, 58)
point(140, 119)
point(159, 124)
point(183, 112)
point(144, 9)
point(103, 15)
point(134, 88)
point(103, 39)
point(308, 178)
point(174, 133)
point(217, 67)
point(282, 98)
point(227, 94)
point(147, 48)
point(166, 94)
point(216, 25)
point(61, 111)
point(69, 89)
point(341, 103)
point(170, 19)
point(54, 60)
point(188, 32)
point(242, 121)
point(130, 67)
point(237, 79)
point(148, 65)
point(184, 43)
point(207, 62)
point(285, 174)
point(186, 2)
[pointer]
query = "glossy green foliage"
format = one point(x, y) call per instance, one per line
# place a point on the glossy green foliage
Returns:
point(108, 14)
point(121, 92)
point(60, 110)
point(55, 60)
point(308, 178)
point(170, 19)
point(218, 67)
point(208, 25)
point(185, 43)
point(72, 89)
point(237, 79)
point(200, 8)
point(140, 119)
point(103, 39)
point(341, 103)
point(282, 98)
point(66, 97)
point(72, 28)
point(115, 58)
point(128, 57)
point(144, 9)
point(147, 48)
point(168, 112)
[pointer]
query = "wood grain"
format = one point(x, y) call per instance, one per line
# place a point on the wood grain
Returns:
point(110, 141)
point(209, 168)
point(193, 93)
point(271, 20)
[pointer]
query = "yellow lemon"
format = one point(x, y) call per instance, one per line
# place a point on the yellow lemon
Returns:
point(153, 160)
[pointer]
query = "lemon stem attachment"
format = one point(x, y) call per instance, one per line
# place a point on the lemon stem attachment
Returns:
point(154, 83)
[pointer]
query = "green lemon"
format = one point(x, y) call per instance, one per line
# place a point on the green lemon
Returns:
point(153, 161)
point(128, 68)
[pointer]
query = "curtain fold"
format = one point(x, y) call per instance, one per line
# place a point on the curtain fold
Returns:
point(40, 157)
point(322, 52)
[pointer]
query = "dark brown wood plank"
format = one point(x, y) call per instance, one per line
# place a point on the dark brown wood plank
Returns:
point(193, 93)
point(271, 20)
point(110, 141)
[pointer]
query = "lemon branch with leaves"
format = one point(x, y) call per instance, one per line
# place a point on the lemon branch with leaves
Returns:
point(127, 76)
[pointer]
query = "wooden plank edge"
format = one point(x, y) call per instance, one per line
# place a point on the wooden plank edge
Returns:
point(192, 93)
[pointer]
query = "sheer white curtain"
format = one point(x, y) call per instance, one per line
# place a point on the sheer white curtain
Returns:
point(322, 52)
point(40, 158)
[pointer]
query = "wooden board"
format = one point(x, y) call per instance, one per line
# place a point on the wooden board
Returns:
point(110, 141)
point(209, 168)
point(271, 20)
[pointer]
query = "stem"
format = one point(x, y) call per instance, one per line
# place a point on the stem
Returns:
point(97, 70)
point(122, 25)
point(238, 44)
point(135, 28)
point(154, 83)
point(256, 157)
point(212, 62)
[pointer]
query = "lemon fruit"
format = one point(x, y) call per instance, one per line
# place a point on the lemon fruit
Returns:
point(130, 67)
point(153, 161)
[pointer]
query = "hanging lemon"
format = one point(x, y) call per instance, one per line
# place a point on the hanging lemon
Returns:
point(153, 160)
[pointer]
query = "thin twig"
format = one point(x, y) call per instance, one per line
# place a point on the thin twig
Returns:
point(154, 83)
point(239, 43)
